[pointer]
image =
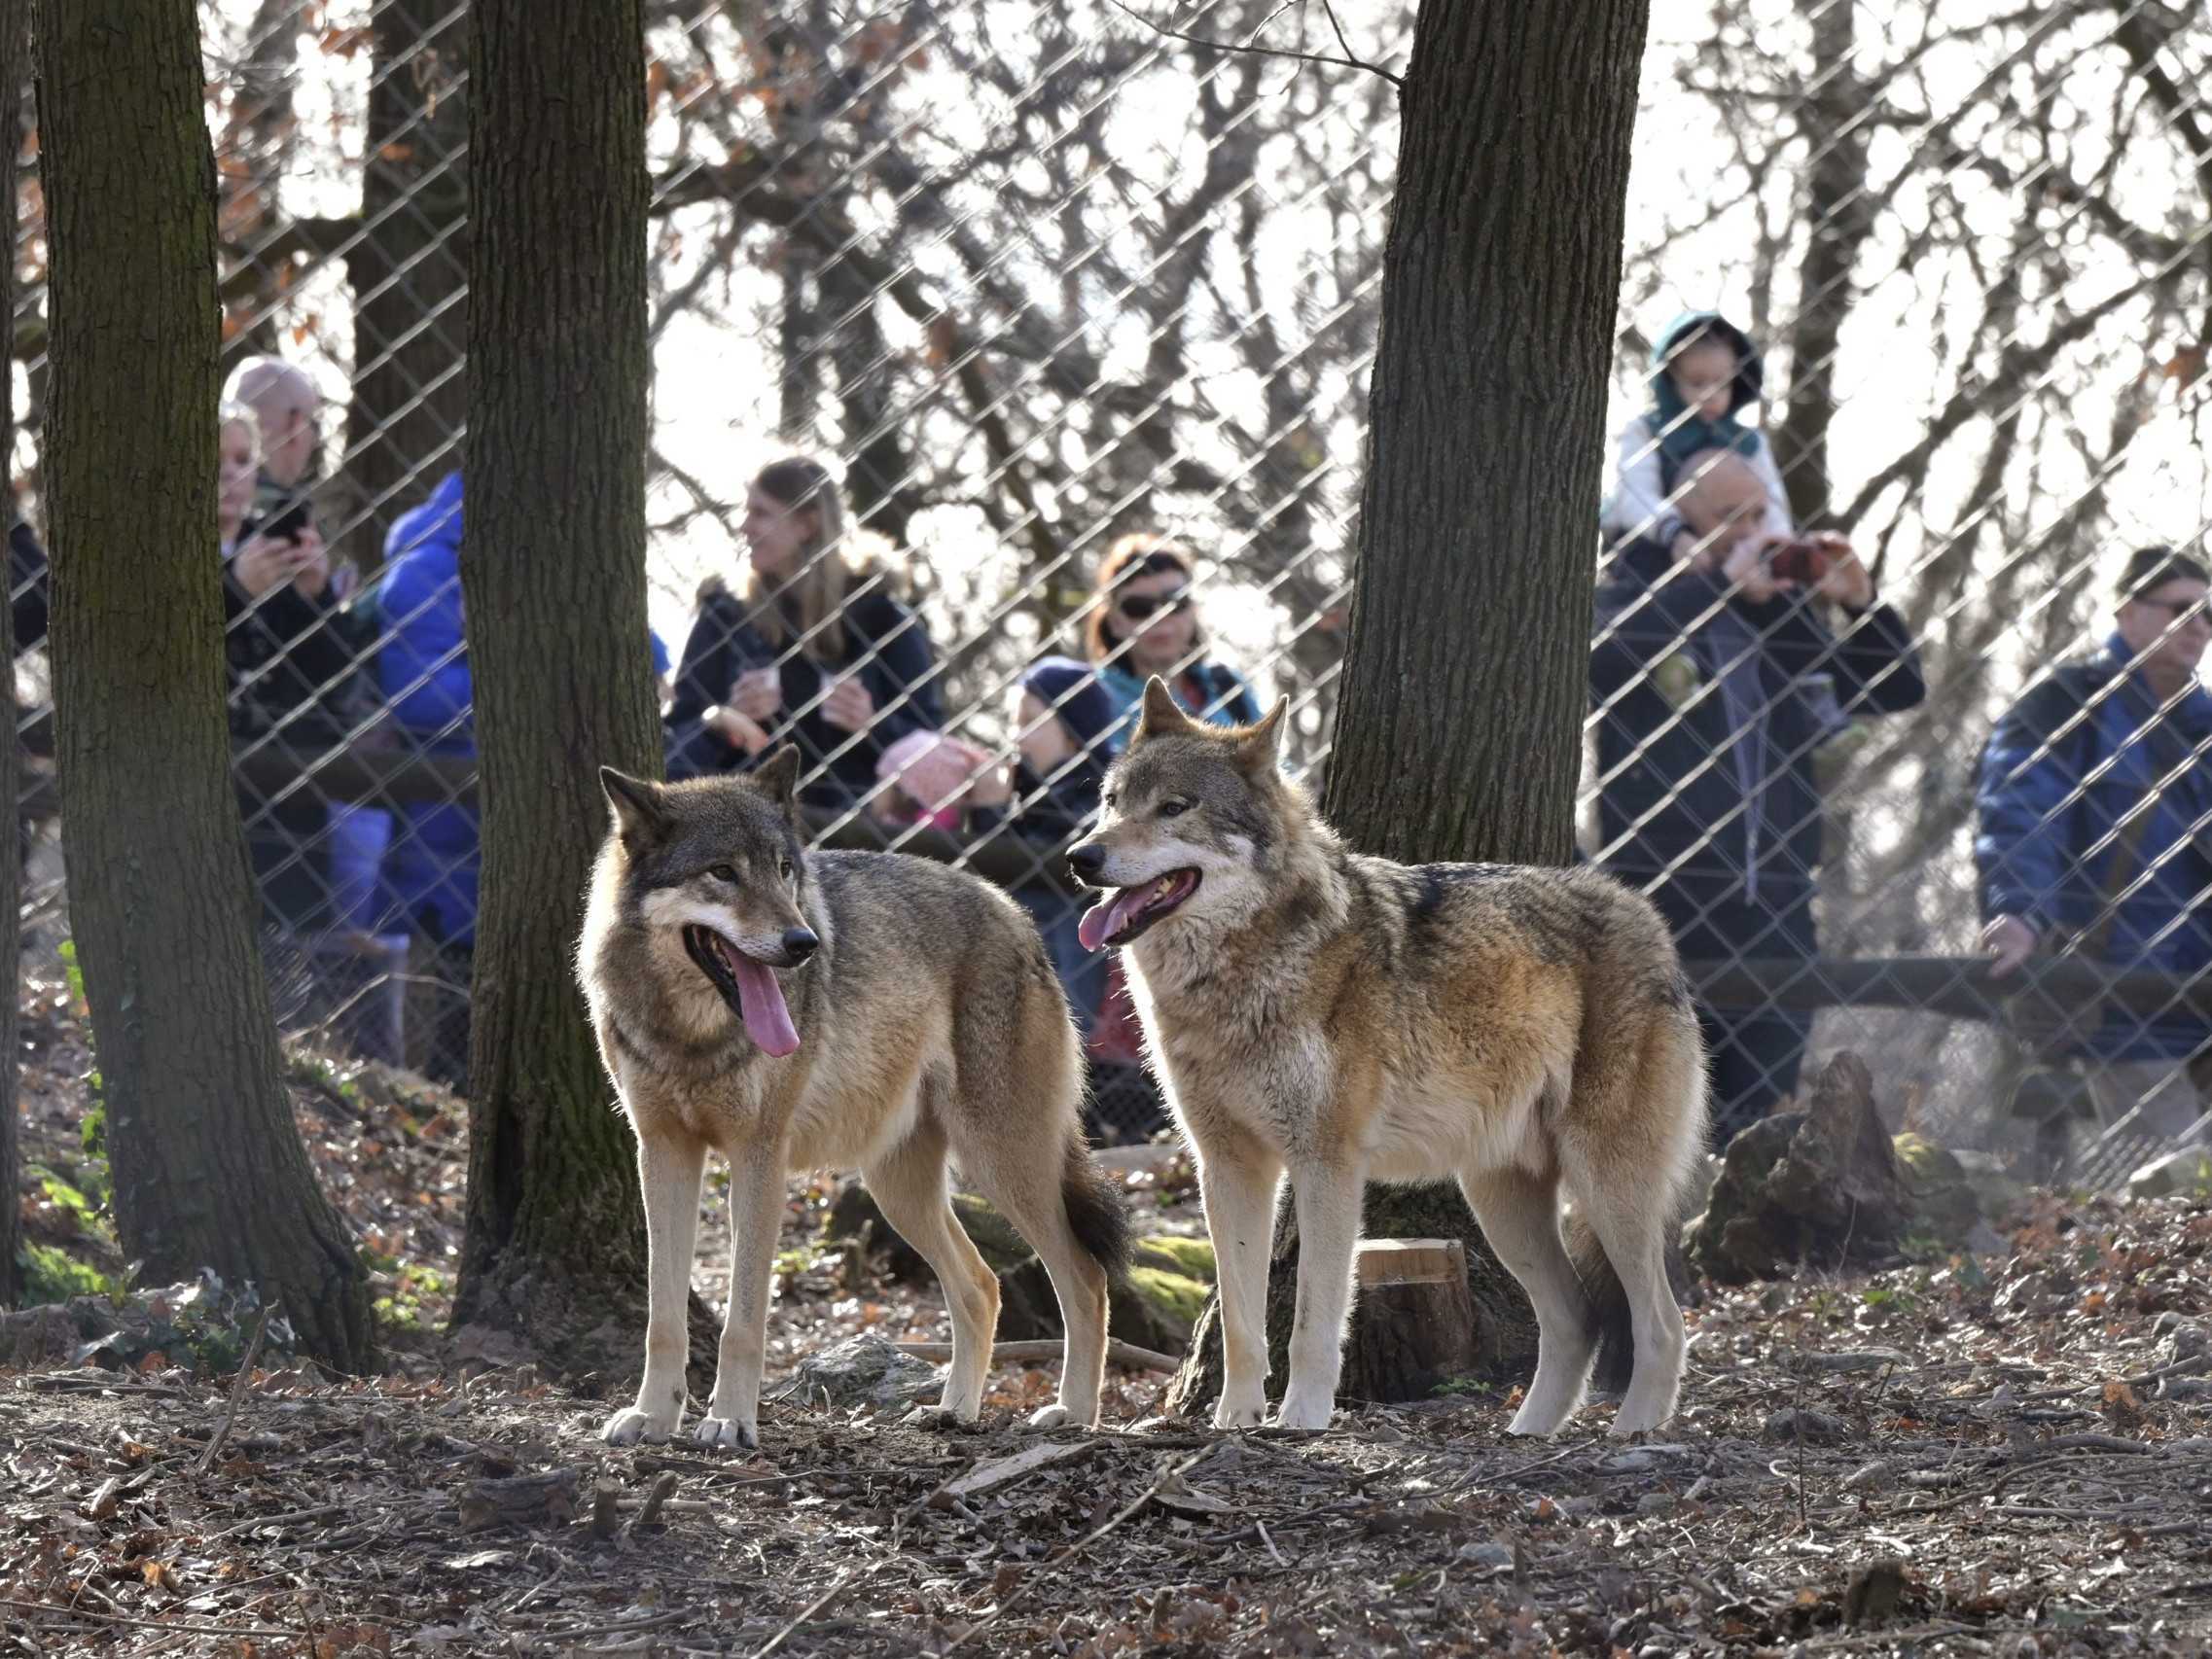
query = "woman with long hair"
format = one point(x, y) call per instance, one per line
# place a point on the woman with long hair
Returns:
point(1144, 622)
point(816, 651)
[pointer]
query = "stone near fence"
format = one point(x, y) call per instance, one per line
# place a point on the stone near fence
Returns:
point(2186, 1168)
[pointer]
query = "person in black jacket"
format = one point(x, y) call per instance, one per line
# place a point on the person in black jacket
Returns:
point(817, 651)
point(289, 655)
point(1716, 681)
point(1065, 722)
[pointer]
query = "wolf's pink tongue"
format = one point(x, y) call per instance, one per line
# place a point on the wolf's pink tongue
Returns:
point(767, 1022)
point(1097, 924)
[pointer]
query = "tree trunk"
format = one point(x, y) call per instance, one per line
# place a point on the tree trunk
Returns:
point(209, 1170)
point(1839, 216)
point(409, 271)
point(1459, 734)
point(14, 54)
point(552, 572)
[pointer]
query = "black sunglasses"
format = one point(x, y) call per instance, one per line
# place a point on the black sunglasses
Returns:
point(1138, 606)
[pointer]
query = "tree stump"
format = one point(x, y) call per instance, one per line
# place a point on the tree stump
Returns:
point(1413, 1324)
point(1822, 1185)
point(1501, 1325)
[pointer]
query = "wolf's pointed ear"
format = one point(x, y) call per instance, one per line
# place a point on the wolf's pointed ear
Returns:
point(778, 778)
point(1162, 715)
point(1259, 745)
point(640, 812)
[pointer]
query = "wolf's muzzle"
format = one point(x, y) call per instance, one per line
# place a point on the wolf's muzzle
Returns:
point(1088, 859)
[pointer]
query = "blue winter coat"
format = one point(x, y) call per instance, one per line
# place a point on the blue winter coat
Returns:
point(2055, 783)
point(422, 671)
point(1212, 691)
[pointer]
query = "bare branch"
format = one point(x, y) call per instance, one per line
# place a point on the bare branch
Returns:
point(1398, 81)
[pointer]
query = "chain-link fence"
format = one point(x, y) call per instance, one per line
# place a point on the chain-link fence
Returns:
point(1032, 280)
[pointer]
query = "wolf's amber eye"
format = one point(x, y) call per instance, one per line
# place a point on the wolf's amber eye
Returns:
point(722, 872)
point(1173, 808)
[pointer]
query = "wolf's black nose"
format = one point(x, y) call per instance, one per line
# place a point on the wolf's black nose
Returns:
point(799, 943)
point(1087, 860)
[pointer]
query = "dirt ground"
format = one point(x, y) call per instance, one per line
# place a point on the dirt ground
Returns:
point(2009, 1453)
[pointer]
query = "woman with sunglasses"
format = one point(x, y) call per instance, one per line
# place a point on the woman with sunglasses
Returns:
point(1144, 622)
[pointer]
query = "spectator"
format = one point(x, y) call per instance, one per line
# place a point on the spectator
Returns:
point(287, 653)
point(1064, 724)
point(422, 674)
point(2093, 813)
point(1705, 372)
point(1143, 621)
point(1716, 681)
point(286, 405)
point(817, 651)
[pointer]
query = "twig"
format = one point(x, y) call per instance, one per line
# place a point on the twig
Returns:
point(846, 1580)
point(94, 1615)
point(2096, 1443)
point(324, 1513)
point(663, 1488)
point(1083, 1544)
point(1262, 1528)
point(237, 1390)
point(1025, 1351)
point(652, 1623)
point(603, 1496)
point(1398, 81)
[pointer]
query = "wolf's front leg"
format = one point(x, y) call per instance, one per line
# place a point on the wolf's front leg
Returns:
point(755, 1214)
point(1236, 1182)
point(1327, 1196)
point(668, 1172)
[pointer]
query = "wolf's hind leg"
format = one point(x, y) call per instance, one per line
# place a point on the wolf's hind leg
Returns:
point(1033, 1185)
point(1629, 1218)
point(1519, 1214)
point(908, 1184)
point(668, 1168)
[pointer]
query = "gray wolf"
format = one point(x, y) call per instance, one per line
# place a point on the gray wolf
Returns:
point(1344, 1019)
point(795, 1011)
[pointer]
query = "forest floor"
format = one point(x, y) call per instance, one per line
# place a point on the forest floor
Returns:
point(2008, 1453)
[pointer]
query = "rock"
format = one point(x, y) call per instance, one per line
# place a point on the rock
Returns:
point(1494, 1555)
point(1815, 1426)
point(2185, 1342)
point(2191, 1389)
point(863, 1370)
point(1947, 1205)
point(1996, 1190)
point(1873, 1593)
point(2186, 1168)
point(1654, 1503)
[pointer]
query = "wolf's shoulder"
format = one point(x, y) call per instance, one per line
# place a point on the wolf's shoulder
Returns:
point(1571, 908)
point(901, 885)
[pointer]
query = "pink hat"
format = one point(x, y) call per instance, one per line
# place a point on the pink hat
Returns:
point(930, 768)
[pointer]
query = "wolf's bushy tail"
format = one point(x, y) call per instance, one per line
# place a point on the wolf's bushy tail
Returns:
point(1096, 1213)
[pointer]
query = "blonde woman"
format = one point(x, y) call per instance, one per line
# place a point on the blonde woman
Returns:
point(816, 651)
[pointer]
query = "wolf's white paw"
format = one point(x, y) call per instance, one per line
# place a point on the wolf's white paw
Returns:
point(1247, 1413)
point(628, 1425)
point(1305, 1411)
point(1047, 1417)
point(727, 1432)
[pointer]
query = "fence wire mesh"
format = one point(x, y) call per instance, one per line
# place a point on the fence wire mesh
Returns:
point(1872, 669)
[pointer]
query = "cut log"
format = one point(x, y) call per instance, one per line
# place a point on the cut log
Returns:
point(1504, 1330)
point(1413, 1324)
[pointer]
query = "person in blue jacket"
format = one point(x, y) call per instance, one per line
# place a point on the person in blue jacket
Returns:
point(2093, 833)
point(1143, 621)
point(816, 651)
point(1716, 683)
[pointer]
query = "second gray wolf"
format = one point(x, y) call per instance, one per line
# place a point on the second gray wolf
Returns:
point(839, 1010)
point(1341, 1019)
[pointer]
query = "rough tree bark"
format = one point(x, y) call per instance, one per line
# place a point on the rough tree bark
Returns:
point(409, 269)
point(14, 54)
point(209, 1170)
point(1459, 734)
point(553, 572)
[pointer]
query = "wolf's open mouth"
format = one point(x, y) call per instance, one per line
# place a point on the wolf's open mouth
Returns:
point(1133, 909)
point(749, 987)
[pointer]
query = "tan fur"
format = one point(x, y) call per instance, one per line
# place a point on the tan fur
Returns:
point(932, 1030)
point(1342, 1018)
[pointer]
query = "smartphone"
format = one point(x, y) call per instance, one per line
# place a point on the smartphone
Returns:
point(285, 526)
point(1800, 561)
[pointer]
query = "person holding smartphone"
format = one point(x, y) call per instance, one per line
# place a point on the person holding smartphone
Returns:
point(1727, 654)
